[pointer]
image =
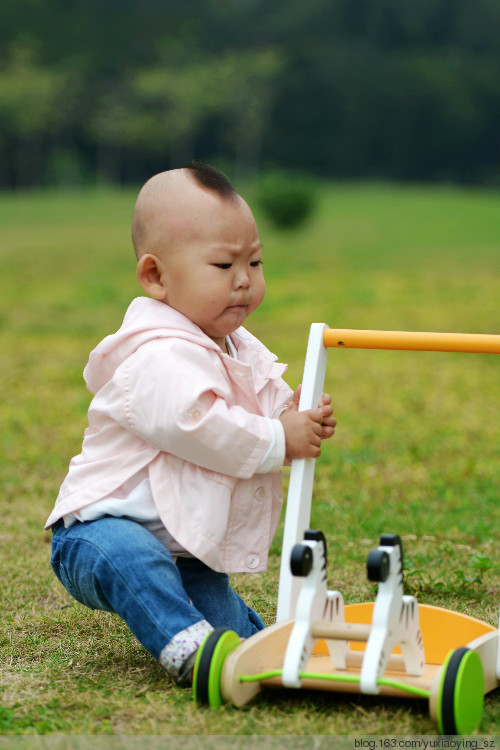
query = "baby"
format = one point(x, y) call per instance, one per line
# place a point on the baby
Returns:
point(178, 483)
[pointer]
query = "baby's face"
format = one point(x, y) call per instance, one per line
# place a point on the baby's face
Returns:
point(214, 275)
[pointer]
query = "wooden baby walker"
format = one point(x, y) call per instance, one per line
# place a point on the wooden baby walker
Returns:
point(393, 646)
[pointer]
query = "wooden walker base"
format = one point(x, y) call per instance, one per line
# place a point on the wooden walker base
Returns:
point(328, 647)
point(391, 647)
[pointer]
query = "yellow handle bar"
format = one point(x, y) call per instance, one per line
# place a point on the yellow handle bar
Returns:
point(347, 338)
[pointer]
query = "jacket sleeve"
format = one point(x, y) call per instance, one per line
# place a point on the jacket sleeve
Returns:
point(176, 397)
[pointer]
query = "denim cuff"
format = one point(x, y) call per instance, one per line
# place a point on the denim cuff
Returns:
point(182, 645)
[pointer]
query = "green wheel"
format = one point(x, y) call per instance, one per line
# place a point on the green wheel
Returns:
point(208, 666)
point(461, 693)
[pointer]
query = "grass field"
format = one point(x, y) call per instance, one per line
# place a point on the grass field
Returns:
point(417, 449)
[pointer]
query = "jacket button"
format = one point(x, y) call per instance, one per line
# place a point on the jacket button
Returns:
point(259, 493)
point(252, 561)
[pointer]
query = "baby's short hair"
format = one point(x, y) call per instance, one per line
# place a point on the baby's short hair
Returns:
point(212, 179)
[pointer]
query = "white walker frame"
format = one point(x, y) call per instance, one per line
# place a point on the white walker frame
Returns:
point(298, 508)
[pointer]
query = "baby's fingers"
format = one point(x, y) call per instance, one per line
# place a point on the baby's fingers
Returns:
point(326, 411)
point(293, 404)
point(316, 415)
point(328, 427)
point(327, 432)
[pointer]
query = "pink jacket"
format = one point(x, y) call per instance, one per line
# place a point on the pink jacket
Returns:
point(168, 398)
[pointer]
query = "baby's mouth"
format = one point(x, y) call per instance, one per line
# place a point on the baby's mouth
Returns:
point(237, 308)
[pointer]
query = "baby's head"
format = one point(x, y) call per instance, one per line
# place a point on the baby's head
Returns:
point(198, 249)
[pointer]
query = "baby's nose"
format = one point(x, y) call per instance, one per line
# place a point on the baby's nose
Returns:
point(242, 279)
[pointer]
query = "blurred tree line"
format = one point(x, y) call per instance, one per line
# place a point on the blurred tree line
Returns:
point(118, 89)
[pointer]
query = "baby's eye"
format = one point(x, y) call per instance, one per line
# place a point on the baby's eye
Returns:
point(256, 263)
point(223, 265)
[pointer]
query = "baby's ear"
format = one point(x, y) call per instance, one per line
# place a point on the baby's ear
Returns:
point(150, 276)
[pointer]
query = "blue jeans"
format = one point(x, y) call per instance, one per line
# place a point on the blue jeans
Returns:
point(117, 565)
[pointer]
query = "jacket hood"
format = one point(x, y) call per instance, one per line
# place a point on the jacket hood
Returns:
point(146, 319)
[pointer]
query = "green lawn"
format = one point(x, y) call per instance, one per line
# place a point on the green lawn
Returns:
point(417, 449)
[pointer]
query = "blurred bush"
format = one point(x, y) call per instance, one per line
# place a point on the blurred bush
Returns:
point(287, 198)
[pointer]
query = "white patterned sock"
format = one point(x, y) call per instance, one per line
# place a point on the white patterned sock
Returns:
point(175, 657)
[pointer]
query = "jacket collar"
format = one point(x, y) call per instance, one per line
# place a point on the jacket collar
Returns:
point(147, 319)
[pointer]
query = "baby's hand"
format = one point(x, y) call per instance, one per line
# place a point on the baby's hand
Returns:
point(304, 430)
point(325, 404)
point(329, 423)
point(303, 433)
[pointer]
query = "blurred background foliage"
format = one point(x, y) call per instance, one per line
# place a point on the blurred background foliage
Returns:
point(114, 90)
